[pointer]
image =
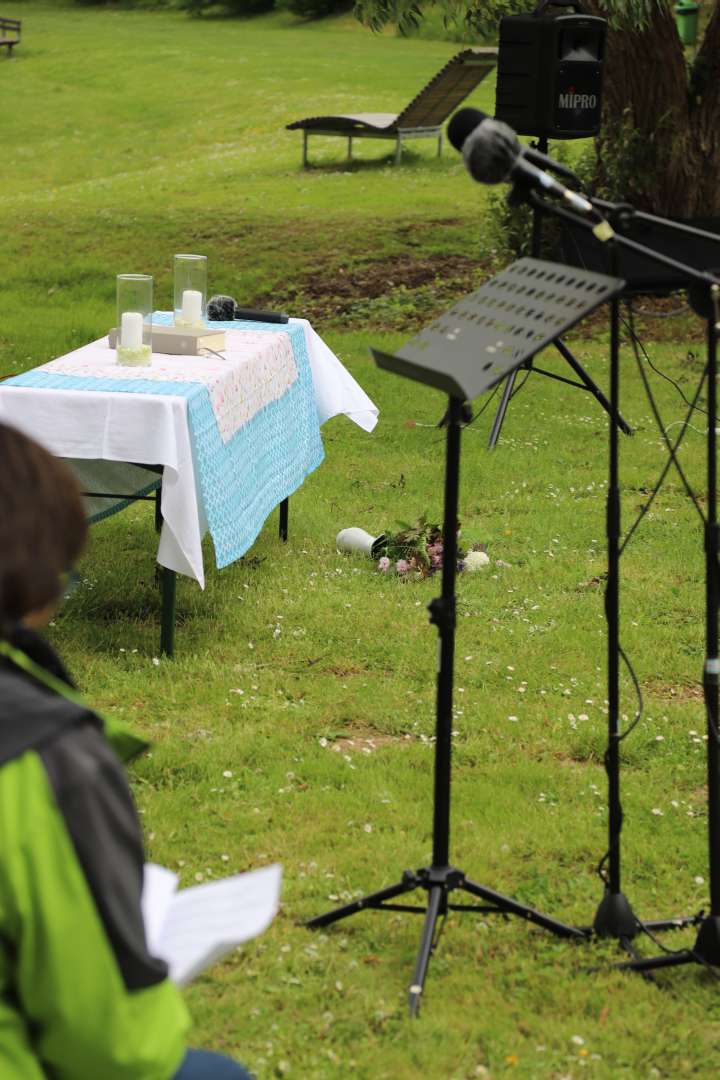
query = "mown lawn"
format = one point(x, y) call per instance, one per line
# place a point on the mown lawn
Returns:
point(296, 722)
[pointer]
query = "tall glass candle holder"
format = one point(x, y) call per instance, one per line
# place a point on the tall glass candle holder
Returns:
point(134, 319)
point(190, 278)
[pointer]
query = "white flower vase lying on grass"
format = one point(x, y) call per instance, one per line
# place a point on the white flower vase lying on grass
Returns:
point(357, 540)
point(414, 552)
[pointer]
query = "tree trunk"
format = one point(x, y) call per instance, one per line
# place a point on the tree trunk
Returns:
point(659, 146)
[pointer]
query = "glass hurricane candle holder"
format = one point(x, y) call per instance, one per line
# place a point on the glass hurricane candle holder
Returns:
point(134, 319)
point(190, 281)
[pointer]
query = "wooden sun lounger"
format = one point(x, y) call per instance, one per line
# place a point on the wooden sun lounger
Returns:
point(421, 119)
point(9, 33)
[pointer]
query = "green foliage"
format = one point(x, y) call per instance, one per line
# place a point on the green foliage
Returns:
point(511, 226)
point(316, 9)
point(232, 7)
point(627, 155)
point(483, 18)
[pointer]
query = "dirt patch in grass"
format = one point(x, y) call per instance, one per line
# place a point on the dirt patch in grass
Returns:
point(408, 289)
point(373, 279)
point(368, 744)
point(673, 691)
point(397, 290)
point(343, 670)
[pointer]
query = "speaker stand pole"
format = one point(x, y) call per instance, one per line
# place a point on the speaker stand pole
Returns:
point(614, 917)
point(586, 382)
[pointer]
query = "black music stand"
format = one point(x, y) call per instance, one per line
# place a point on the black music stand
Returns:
point(483, 338)
point(586, 381)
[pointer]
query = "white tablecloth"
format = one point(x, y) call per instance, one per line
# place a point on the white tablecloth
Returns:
point(153, 429)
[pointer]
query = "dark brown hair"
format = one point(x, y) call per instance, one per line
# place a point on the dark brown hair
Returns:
point(42, 526)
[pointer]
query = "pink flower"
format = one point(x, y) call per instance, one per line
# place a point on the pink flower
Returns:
point(402, 566)
point(383, 564)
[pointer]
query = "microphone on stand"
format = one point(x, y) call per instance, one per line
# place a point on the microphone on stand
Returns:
point(493, 154)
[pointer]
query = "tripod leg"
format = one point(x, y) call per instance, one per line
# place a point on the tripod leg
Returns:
point(505, 904)
point(372, 900)
point(435, 897)
point(502, 409)
point(653, 963)
point(591, 385)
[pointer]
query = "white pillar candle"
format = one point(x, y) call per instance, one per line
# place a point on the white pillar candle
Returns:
point(131, 330)
point(192, 306)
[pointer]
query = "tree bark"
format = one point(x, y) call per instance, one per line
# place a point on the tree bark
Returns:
point(659, 147)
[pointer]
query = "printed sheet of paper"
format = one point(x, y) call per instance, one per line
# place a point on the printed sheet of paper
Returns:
point(192, 928)
point(159, 888)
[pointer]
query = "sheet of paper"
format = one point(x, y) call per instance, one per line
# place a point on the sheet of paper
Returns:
point(159, 888)
point(206, 922)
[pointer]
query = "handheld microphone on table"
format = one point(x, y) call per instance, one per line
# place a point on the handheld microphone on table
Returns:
point(225, 309)
point(493, 154)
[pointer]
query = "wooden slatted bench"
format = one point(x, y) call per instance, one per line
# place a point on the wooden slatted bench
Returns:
point(9, 33)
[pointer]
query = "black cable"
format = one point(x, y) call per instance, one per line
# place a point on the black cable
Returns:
point(671, 448)
point(672, 459)
point(639, 709)
point(479, 413)
point(492, 395)
point(648, 314)
point(662, 374)
point(707, 964)
point(517, 389)
point(675, 952)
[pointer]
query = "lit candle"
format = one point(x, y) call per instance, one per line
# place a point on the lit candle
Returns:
point(131, 330)
point(192, 306)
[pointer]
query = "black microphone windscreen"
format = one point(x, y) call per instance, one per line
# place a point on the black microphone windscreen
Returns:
point(462, 124)
point(221, 309)
point(491, 151)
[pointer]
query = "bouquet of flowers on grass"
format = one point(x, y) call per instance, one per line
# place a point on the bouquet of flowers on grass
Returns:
point(417, 551)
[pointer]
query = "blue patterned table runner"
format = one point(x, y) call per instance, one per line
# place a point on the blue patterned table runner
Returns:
point(240, 482)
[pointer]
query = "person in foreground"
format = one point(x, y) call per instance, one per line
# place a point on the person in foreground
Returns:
point(80, 996)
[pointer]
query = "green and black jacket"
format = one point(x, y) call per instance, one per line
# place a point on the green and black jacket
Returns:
point(80, 997)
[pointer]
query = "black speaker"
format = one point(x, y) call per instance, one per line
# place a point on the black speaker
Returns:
point(550, 72)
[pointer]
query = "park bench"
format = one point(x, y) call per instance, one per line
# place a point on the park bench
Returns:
point(9, 33)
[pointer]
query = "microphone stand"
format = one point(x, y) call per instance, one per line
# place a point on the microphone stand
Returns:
point(665, 223)
point(586, 383)
point(614, 916)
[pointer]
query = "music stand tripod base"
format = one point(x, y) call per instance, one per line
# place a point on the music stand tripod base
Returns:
point(481, 339)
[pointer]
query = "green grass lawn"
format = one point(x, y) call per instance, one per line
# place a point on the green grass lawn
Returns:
point(296, 722)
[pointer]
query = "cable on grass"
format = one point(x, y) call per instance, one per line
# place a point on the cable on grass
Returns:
point(672, 460)
point(648, 314)
point(657, 370)
point(672, 448)
point(639, 709)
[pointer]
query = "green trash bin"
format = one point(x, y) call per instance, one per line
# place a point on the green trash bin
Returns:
point(686, 18)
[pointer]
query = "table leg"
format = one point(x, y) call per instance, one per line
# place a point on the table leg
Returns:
point(167, 630)
point(284, 505)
